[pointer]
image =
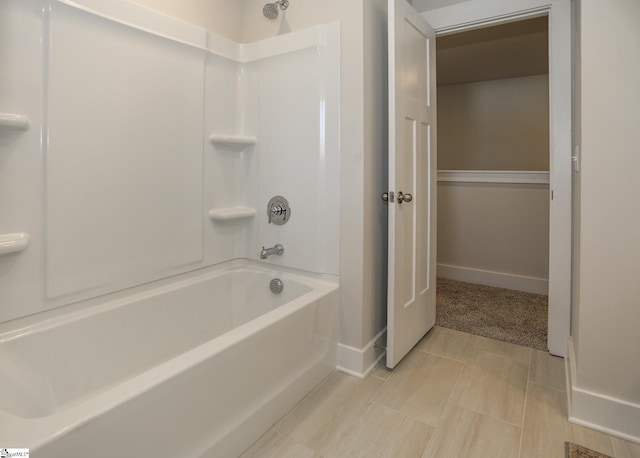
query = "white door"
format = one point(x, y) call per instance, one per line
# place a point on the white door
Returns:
point(411, 301)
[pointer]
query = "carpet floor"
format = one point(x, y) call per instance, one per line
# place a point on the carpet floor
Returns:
point(502, 314)
point(578, 451)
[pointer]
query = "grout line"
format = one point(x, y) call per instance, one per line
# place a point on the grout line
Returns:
point(455, 385)
point(521, 426)
point(531, 382)
point(375, 393)
point(354, 421)
point(378, 377)
point(439, 356)
point(524, 407)
point(505, 357)
point(506, 422)
point(404, 415)
point(434, 426)
point(471, 344)
point(356, 418)
point(276, 426)
point(491, 417)
point(445, 357)
point(389, 372)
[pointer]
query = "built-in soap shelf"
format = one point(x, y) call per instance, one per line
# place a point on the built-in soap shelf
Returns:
point(234, 142)
point(10, 121)
point(231, 213)
point(12, 243)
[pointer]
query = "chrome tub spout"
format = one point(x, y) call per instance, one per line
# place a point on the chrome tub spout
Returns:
point(266, 252)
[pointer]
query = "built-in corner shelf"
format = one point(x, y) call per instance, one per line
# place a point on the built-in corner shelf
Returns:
point(234, 142)
point(10, 121)
point(12, 243)
point(237, 144)
point(231, 213)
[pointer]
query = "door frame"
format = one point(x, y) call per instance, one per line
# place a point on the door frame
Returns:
point(481, 13)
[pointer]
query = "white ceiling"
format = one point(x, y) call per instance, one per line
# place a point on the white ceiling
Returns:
point(509, 50)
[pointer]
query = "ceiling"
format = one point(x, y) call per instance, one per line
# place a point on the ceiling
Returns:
point(508, 50)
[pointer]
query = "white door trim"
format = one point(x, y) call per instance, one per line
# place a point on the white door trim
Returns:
point(478, 13)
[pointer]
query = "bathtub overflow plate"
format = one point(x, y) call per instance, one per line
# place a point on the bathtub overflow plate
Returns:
point(276, 286)
point(278, 210)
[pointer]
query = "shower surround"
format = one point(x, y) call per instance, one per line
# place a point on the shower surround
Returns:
point(148, 155)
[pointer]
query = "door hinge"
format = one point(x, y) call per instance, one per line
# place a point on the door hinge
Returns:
point(576, 159)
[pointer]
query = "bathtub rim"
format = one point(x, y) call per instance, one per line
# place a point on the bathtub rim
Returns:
point(36, 432)
point(76, 310)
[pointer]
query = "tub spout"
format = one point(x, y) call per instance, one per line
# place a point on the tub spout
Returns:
point(266, 252)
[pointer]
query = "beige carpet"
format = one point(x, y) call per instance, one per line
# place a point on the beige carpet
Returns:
point(578, 451)
point(502, 314)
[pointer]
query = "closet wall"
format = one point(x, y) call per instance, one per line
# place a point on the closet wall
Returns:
point(493, 156)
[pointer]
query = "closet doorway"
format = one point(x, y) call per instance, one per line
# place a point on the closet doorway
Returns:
point(493, 180)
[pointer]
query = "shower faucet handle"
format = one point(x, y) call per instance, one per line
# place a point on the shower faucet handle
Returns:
point(278, 210)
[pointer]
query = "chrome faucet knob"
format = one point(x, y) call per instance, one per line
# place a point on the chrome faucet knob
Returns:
point(278, 210)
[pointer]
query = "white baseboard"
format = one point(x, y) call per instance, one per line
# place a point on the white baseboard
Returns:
point(359, 362)
point(491, 278)
point(610, 415)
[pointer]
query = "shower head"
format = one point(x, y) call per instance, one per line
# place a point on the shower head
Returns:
point(270, 10)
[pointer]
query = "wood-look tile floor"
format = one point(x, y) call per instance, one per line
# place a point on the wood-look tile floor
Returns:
point(454, 395)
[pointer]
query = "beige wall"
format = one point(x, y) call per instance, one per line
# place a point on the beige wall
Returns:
point(301, 14)
point(425, 5)
point(576, 181)
point(494, 125)
point(222, 17)
point(495, 227)
point(376, 140)
point(607, 304)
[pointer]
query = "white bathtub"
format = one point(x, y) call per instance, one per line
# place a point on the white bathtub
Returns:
point(197, 366)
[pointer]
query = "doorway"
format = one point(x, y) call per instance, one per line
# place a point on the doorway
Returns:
point(493, 180)
point(458, 17)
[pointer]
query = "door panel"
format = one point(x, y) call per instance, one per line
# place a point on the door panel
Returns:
point(423, 247)
point(412, 168)
point(405, 220)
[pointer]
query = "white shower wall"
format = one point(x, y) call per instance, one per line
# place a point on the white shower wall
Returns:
point(123, 170)
point(288, 97)
point(232, 172)
point(298, 136)
point(118, 191)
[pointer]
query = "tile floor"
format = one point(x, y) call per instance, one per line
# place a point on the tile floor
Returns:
point(455, 395)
